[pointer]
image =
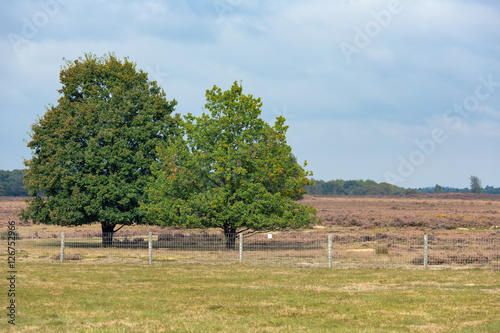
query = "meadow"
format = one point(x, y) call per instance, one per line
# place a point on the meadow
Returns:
point(141, 298)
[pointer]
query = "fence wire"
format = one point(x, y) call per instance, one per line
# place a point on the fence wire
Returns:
point(296, 249)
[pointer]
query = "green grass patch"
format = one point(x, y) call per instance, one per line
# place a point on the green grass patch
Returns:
point(72, 297)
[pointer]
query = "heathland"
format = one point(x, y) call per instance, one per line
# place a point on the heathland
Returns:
point(443, 213)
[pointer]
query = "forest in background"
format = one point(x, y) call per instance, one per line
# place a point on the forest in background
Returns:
point(355, 187)
point(370, 187)
point(11, 184)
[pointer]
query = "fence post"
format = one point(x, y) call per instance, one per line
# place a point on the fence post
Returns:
point(329, 250)
point(150, 246)
point(426, 250)
point(62, 246)
point(241, 248)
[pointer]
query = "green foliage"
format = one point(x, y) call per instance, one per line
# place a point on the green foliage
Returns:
point(11, 183)
point(446, 189)
point(353, 187)
point(92, 152)
point(475, 184)
point(491, 190)
point(231, 170)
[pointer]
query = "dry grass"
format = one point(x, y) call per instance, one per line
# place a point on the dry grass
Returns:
point(72, 297)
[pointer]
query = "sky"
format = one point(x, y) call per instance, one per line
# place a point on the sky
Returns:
point(401, 91)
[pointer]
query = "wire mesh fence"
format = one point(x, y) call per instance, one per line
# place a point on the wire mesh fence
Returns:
point(294, 249)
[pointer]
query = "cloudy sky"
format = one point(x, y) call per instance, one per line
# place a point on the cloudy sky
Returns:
point(390, 90)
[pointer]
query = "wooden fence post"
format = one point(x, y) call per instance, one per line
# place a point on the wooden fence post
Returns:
point(62, 246)
point(426, 251)
point(329, 250)
point(150, 246)
point(241, 248)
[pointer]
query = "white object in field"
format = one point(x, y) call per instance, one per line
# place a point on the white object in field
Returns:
point(269, 236)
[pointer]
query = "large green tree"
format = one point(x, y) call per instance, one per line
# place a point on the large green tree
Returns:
point(92, 152)
point(230, 170)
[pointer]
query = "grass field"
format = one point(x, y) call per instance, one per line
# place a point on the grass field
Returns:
point(139, 298)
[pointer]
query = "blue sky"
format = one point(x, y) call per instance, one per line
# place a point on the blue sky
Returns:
point(393, 90)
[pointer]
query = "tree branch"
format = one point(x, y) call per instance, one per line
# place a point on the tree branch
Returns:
point(119, 228)
point(242, 231)
point(251, 233)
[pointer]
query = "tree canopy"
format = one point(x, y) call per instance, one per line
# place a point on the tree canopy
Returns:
point(438, 189)
point(230, 170)
point(92, 152)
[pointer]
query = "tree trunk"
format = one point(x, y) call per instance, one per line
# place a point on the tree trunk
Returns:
point(230, 235)
point(107, 234)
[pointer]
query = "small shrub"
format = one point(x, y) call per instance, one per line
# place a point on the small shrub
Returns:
point(381, 249)
point(75, 256)
point(138, 240)
point(165, 237)
point(5, 235)
point(430, 261)
point(72, 256)
point(468, 259)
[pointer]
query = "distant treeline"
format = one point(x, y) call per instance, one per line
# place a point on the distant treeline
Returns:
point(355, 187)
point(11, 183)
point(370, 187)
point(445, 189)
